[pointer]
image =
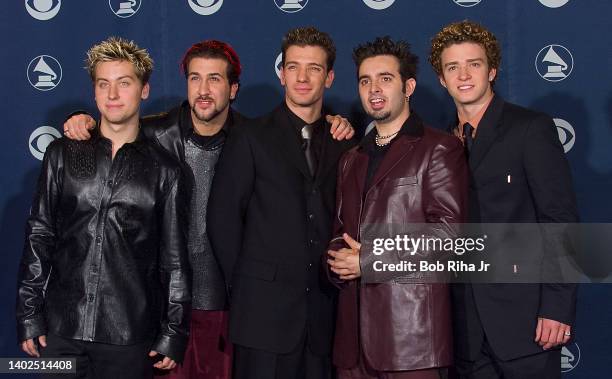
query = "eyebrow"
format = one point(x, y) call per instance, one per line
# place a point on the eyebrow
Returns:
point(307, 64)
point(119, 78)
point(210, 74)
point(385, 73)
point(468, 60)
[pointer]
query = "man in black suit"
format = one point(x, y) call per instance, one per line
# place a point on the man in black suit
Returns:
point(519, 174)
point(270, 217)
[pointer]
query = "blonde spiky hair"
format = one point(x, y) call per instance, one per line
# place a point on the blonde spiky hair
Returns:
point(120, 49)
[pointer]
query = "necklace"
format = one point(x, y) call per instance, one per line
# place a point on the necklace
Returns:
point(384, 140)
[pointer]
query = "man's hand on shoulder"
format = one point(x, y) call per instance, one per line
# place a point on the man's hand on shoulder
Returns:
point(340, 127)
point(78, 126)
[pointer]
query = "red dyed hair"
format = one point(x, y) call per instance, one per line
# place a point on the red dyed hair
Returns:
point(214, 49)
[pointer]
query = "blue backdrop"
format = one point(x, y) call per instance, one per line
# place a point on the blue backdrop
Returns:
point(556, 58)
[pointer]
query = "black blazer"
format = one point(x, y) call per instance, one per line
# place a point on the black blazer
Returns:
point(524, 144)
point(269, 222)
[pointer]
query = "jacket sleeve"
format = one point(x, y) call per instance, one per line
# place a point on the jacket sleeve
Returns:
point(40, 243)
point(175, 272)
point(230, 193)
point(550, 182)
point(337, 242)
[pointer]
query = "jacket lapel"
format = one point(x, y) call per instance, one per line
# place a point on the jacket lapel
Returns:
point(487, 132)
point(289, 143)
point(397, 152)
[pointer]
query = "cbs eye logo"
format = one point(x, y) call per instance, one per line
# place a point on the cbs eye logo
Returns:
point(278, 64)
point(40, 139)
point(205, 7)
point(43, 9)
point(566, 132)
point(378, 4)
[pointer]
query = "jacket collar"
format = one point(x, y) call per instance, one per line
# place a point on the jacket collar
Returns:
point(140, 143)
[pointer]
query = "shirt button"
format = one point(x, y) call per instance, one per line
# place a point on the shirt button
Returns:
point(311, 216)
point(307, 289)
point(310, 265)
point(98, 240)
point(94, 269)
point(90, 297)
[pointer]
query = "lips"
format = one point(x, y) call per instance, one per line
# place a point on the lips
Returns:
point(303, 90)
point(377, 103)
point(465, 87)
point(204, 102)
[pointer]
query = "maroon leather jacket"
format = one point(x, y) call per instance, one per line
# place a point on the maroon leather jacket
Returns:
point(398, 324)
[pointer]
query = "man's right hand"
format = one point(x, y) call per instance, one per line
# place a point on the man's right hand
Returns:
point(77, 127)
point(29, 346)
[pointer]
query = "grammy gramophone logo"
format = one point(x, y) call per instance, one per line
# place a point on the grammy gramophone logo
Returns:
point(124, 8)
point(554, 63)
point(205, 7)
point(291, 6)
point(44, 72)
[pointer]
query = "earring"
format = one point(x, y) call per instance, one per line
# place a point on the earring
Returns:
point(408, 98)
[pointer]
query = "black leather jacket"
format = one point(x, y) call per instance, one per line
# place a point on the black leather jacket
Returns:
point(105, 256)
point(171, 130)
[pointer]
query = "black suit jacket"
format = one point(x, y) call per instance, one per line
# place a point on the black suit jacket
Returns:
point(269, 222)
point(514, 141)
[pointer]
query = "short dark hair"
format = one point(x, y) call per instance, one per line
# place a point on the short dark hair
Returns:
point(310, 36)
point(214, 49)
point(386, 46)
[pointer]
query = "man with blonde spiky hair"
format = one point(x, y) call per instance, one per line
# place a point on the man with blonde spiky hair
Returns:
point(104, 276)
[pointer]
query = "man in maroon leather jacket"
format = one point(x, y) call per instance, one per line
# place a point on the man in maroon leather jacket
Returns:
point(402, 173)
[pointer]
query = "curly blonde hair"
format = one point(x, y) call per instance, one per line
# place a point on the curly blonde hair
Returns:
point(464, 31)
point(120, 49)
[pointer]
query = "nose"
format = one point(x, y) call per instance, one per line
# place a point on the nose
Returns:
point(464, 73)
point(203, 88)
point(301, 75)
point(113, 92)
point(374, 87)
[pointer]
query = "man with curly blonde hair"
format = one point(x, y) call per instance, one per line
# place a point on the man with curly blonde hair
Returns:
point(519, 174)
point(104, 276)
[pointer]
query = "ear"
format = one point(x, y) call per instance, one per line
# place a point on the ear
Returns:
point(492, 74)
point(145, 92)
point(282, 76)
point(410, 86)
point(234, 90)
point(442, 81)
point(329, 79)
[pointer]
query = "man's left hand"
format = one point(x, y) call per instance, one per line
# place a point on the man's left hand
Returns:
point(340, 127)
point(345, 262)
point(551, 333)
point(165, 364)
